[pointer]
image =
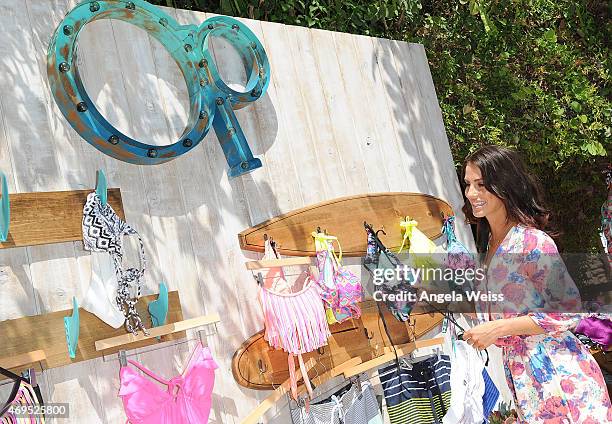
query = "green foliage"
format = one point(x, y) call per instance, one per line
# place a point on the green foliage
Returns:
point(529, 74)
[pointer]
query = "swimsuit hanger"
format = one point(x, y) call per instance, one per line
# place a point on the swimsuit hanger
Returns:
point(122, 355)
point(276, 263)
point(324, 241)
point(278, 393)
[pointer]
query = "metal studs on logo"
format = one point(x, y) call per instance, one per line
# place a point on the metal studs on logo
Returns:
point(212, 101)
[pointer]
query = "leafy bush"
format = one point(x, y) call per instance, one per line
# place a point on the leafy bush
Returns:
point(529, 74)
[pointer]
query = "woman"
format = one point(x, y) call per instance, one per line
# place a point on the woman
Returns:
point(552, 376)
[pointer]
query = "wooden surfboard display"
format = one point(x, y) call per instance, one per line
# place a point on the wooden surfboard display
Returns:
point(256, 365)
point(344, 217)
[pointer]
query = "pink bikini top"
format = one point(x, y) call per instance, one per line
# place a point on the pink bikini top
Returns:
point(186, 401)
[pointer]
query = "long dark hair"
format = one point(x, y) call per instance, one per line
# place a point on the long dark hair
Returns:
point(504, 175)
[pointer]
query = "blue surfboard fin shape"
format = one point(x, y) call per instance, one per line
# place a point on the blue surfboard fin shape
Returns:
point(71, 324)
point(158, 309)
point(5, 209)
point(101, 186)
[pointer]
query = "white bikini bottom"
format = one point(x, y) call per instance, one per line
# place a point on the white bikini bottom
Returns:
point(99, 298)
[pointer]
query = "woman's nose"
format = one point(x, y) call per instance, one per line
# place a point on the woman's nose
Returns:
point(470, 192)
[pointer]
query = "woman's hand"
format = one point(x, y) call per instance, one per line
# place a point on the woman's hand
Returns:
point(483, 335)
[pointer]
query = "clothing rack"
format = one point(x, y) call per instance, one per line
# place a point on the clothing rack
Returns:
point(47, 332)
point(122, 354)
point(390, 355)
point(274, 263)
point(349, 369)
point(270, 401)
point(163, 330)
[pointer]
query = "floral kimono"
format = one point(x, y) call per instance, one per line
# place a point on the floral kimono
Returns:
point(552, 376)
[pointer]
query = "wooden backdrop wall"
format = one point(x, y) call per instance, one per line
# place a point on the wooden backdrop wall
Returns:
point(343, 115)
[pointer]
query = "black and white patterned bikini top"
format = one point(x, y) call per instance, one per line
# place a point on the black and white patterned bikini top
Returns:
point(103, 231)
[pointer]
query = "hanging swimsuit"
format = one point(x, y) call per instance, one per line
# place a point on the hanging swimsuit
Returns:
point(187, 400)
point(24, 394)
point(100, 297)
point(379, 259)
point(294, 322)
point(457, 255)
point(103, 231)
point(341, 289)
point(421, 248)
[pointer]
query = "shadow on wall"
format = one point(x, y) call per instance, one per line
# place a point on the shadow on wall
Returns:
point(410, 90)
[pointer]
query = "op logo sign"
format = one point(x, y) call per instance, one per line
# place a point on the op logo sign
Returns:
point(211, 101)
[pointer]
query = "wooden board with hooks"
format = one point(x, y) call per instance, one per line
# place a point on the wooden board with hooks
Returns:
point(344, 217)
point(51, 217)
point(256, 365)
point(46, 332)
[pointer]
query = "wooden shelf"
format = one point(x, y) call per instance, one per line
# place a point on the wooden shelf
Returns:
point(51, 217)
point(46, 332)
point(19, 361)
point(344, 218)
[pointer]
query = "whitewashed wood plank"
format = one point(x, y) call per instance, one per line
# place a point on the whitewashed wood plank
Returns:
point(397, 98)
point(171, 86)
point(337, 105)
point(316, 112)
point(410, 82)
point(450, 187)
point(280, 164)
point(104, 85)
point(174, 262)
point(16, 290)
point(52, 268)
point(175, 259)
point(98, 58)
point(76, 385)
point(81, 161)
point(291, 110)
point(363, 117)
point(260, 126)
point(374, 89)
point(438, 164)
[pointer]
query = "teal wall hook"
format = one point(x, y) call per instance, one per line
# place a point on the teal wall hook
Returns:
point(211, 101)
point(5, 209)
point(71, 325)
point(101, 186)
point(158, 309)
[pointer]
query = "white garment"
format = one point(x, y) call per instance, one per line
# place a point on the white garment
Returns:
point(467, 386)
point(100, 297)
